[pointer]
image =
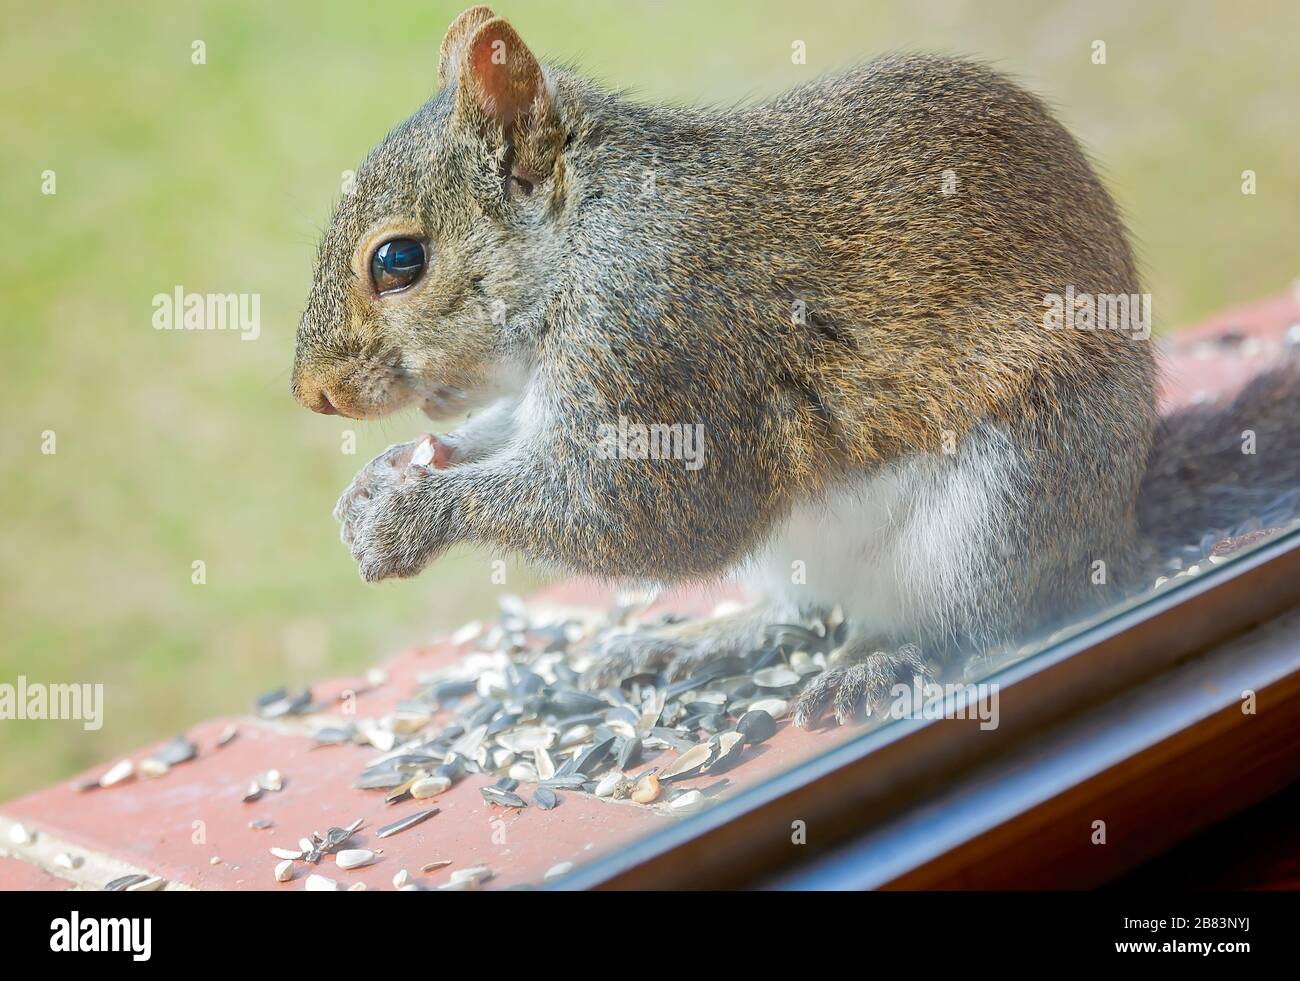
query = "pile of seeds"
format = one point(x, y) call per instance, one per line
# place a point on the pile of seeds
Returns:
point(520, 715)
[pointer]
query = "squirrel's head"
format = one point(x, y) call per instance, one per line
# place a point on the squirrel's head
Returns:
point(435, 262)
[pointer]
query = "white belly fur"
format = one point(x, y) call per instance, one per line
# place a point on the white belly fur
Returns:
point(900, 551)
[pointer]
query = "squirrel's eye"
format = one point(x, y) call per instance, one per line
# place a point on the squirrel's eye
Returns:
point(397, 264)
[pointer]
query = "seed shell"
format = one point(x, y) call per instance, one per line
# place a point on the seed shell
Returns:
point(410, 821)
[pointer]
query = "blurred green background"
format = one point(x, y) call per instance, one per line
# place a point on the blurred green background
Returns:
point(177, 446)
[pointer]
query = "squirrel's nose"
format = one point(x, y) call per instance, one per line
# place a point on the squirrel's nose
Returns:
point(314, 396)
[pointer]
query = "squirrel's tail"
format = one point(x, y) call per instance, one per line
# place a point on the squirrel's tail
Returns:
point(1219, 472)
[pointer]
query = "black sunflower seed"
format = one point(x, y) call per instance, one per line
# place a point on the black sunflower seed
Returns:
point(570, 781)
point(125, 882)
point(384, 779)
point(178, 750)
point(410, 821)
point(594, 757)
point(756, 725)
point(629, 753)
point(495, 795)
point(545, 798)
point(566, 702)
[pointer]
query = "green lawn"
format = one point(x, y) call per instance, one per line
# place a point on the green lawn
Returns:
point(181, 446)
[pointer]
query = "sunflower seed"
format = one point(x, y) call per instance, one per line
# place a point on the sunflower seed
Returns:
point(335, 838)
point(451, 769)
point(227, 734)
point(67, 861)
point(261, 824)
point(401, 879)
point(570, 781)
point(731, 746)
point(254, 792)
point(523, 772)
point(148, 883)
point(402, 791)
point(477, 873)
point(544, 764)
point(575, 736)
point(380, 780)
point(150, 767)
point(270, 707)
point(176, 751)
point(434, 866)
point(469, 744)
point(284, 871)
point(427, 787)
point(121, 884)
point(775, 707)
point(802, 663)
point(714, 723)
point(777, 677)
point(286, 853)
point(354, 858)
point(566, 702)
point(410, 821)
point(591, 760)
point(687, 803)
point(271, 780)
point(609, 783)
point(495, 795)
point(424, 451)
point(629, 753)
point(463, 885)
point(19, 835)
point(555, 871)
point(502, 722)
point(117, 773)
point(319, 883)
point(545, 798)
point(688, 764)
point(678, 740)
point(377, 736)
point(528, 739)
point(334, 736)
point(756, 725)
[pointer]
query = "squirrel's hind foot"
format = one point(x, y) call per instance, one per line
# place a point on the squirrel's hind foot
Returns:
point(679, 649)
point(861, 682)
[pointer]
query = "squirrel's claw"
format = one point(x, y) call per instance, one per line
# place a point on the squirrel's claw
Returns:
point(861, 684)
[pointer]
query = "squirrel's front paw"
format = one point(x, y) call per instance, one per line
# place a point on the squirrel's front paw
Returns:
point(399, 526)
point(407, 461)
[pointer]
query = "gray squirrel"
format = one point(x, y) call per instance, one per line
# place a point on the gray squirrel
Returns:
point(844, 287)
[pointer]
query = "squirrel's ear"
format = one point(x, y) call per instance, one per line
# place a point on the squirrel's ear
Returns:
point(499, 76)
point(453, 42)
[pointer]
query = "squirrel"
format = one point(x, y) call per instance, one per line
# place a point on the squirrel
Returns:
point(843, 287)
